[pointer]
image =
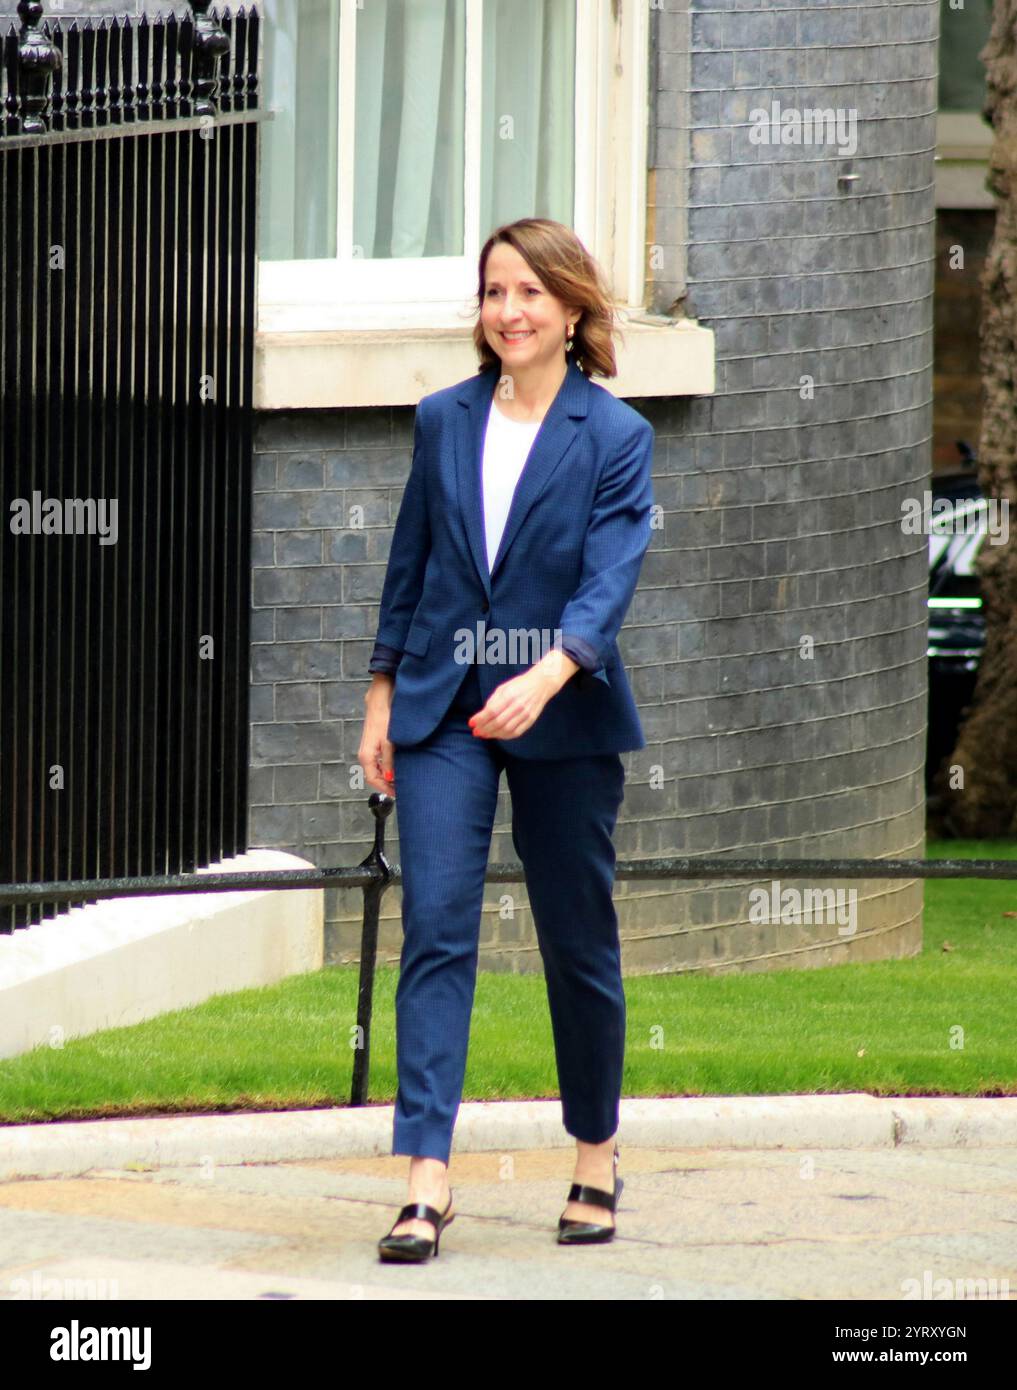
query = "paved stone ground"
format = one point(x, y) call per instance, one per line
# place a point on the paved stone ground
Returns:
point(693, 1224)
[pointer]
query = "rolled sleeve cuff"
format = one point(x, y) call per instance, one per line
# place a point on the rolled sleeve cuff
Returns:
point(581, 651)
point(384, 659)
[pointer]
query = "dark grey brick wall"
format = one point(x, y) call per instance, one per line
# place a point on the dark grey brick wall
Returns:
point(781, 514)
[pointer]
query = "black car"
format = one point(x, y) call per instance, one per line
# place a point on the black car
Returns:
point(956, 624)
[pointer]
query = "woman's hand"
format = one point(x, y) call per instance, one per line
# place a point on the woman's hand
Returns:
point(375, 753)
point(517, 704)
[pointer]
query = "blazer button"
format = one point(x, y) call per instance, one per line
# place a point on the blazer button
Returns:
point(485, 607)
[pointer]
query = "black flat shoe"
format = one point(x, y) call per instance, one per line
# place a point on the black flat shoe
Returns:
point(409, 1249)
point(586, 1232)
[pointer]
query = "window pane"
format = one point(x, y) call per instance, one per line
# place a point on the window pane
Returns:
point(299, 146)
point(528, 142)
point(410, 125)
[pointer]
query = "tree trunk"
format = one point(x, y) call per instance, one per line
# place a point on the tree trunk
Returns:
point(985, 804)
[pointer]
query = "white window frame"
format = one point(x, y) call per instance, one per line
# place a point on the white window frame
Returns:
point(611, 114)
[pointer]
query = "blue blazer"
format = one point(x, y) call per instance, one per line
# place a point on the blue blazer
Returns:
point(566, 568)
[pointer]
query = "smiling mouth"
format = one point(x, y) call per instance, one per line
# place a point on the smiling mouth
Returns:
point(517, 337)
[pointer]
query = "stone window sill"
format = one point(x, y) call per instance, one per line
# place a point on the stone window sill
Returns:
point(373, 362)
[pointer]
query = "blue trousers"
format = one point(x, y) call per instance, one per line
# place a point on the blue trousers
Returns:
point(563, 818)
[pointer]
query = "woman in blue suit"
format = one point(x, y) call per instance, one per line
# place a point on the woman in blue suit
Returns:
point(515, 555)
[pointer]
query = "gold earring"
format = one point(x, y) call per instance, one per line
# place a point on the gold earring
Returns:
point(568, 344)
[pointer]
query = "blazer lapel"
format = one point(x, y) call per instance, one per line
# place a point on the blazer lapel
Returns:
point(558, 429)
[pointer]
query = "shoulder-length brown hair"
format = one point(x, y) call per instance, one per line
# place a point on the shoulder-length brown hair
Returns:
point(564, 266)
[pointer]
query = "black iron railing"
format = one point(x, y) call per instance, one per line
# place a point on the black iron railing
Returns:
point(128, 165)
point(374, 874)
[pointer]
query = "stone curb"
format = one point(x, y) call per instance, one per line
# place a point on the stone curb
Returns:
point(60, 1149)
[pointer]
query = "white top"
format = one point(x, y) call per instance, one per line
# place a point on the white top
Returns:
point(507, 445)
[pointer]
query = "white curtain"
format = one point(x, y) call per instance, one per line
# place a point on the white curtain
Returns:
point(411, 77)
point(299, 65)
point(410, 119)
point(528, 111)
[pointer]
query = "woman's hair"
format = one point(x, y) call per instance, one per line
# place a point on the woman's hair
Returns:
point(564, 266)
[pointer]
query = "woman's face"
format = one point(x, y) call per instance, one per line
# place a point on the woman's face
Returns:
point(523, 322)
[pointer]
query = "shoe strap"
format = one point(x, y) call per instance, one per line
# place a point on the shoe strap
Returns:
point(592, 1196)
point(419, 1211)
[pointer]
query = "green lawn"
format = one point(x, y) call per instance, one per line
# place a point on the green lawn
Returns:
point(884, 1028)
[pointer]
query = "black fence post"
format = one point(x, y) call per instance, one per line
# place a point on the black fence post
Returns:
point(37, 60)
point(381, 806)
point(210, 42)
